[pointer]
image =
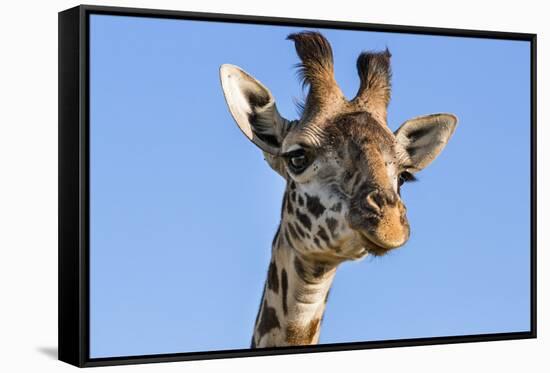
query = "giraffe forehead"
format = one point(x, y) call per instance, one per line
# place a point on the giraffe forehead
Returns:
point(334, 132)
point(312, 136)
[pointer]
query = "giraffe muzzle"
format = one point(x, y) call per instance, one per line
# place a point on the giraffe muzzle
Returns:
point(380, 218)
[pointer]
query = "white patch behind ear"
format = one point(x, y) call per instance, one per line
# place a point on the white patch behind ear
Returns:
point(424, 137)
point(253, 108)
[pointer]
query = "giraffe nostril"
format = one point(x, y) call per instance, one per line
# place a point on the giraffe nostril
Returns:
point(374, 201)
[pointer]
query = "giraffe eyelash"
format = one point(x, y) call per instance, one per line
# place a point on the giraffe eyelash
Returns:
point(407, 177)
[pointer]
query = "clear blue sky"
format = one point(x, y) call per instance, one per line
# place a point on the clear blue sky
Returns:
point(183, 207)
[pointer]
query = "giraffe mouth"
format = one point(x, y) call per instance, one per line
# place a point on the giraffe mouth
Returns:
point(373, 247)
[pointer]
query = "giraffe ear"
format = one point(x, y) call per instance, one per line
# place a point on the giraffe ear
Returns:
point(425, 137)
point(253, 107)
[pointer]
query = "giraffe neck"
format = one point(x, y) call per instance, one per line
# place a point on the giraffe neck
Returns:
point(294, 298)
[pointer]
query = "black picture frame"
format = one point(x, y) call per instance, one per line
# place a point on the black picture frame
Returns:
point(73, 251)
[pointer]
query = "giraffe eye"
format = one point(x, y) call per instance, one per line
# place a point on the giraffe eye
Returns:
point(405, 177)
point(297, 160)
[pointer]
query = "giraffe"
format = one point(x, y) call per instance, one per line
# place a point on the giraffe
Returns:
point(344, 169)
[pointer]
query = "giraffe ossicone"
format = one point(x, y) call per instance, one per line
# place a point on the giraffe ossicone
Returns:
point(344, 169)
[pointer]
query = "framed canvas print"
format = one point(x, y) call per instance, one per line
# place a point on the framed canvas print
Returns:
point(236, 186)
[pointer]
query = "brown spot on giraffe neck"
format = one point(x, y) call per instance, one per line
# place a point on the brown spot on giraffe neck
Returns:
point(268, 320)
point(302, 335)
point(316, 242)
point(273, 278)
point(284, 286)
point(332, 224)
point(304, 219)
point(314, 205)
point(321, 233)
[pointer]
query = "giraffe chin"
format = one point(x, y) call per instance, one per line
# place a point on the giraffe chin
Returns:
point(373, 247)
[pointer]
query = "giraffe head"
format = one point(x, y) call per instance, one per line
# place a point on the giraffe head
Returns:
point(344, 167)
